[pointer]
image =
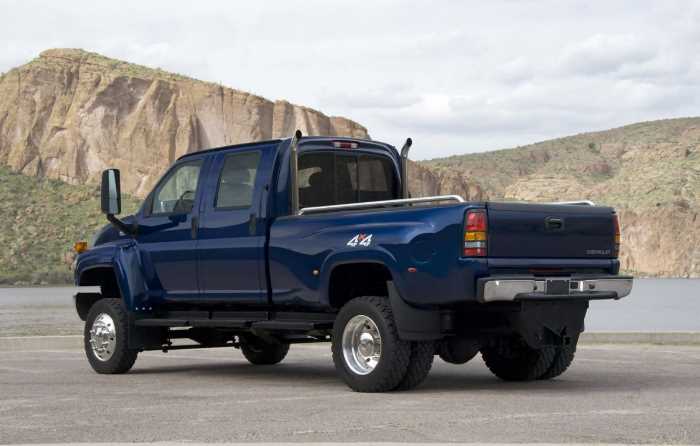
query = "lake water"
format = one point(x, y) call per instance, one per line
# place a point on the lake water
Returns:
point(654, 305)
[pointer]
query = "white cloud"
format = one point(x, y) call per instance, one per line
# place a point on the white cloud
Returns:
point(605, 54)
point(456, 76)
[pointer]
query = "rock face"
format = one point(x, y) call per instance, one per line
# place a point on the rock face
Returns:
point(424, 182)
point(69, 114)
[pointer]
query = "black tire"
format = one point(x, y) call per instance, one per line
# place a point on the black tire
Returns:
point(395, 353)
point(419, 365)
point(563, 358)
point(458, 350)
point(259, 352)
point(513, 360)
point(122, 358)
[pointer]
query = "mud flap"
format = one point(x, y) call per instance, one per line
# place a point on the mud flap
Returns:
point(549, 323)
point(145, 338)
point(416, 324)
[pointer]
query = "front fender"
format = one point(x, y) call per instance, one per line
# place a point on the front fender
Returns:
point(124, 258)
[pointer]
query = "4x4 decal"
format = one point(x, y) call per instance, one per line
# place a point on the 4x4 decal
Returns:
point(360, 240)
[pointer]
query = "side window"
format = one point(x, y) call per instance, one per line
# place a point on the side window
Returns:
point(176, 194)
point(237, 181)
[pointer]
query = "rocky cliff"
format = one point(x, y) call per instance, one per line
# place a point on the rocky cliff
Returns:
point(69, 114)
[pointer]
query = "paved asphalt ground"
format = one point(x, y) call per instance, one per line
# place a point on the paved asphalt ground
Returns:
point(612, 394)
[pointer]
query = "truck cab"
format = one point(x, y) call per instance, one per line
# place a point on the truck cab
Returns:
point(313, 239)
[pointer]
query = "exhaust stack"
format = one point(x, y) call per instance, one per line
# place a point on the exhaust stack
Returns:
point(294, 171)
point(404, 167)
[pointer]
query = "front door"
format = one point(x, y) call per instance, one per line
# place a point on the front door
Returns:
point(167, 233)
point(231, 239)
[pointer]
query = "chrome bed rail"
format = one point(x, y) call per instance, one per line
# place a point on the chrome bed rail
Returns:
point(379, 204)
point(574, 203)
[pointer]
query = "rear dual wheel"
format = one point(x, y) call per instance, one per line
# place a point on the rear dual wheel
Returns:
point(368, 353)
point(513, 360)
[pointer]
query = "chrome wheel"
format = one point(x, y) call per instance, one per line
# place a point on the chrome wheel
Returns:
point(362, 345)
point(103, 337)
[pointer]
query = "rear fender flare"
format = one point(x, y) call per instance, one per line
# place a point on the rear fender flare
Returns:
point(377, 256)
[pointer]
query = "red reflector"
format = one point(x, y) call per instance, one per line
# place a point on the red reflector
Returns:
point(476, 220)
point(345, 144)
point(474, 252)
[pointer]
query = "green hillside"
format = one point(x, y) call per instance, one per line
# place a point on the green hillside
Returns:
point(42, 220)
point(642, 165)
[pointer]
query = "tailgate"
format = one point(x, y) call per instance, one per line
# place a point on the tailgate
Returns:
point(550, 231)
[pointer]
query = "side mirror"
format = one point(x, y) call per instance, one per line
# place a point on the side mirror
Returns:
point(111, 192)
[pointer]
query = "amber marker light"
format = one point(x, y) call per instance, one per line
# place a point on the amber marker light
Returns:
point(80, 247)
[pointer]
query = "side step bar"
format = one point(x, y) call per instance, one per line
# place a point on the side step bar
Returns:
point(246, 320)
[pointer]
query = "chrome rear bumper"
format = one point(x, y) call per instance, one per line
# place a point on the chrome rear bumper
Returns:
point(519, 288)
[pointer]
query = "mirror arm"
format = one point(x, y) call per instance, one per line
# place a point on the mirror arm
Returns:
point(128, 229)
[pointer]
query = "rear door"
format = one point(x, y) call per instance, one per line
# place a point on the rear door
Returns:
point(231, 236)
point(521, 230)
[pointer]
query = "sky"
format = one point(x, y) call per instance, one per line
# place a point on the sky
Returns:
point(456, 76)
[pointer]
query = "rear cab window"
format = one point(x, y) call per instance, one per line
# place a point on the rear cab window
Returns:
point(327, 178)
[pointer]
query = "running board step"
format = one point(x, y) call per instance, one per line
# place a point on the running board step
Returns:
point(248, 320)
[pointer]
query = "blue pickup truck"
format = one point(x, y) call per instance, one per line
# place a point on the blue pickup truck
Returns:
point(310, 239)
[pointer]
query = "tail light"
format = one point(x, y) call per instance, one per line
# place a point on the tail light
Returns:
point(616, 224)
point(475, 229)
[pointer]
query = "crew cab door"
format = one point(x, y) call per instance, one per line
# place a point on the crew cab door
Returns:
point(168, 229)
point(231, 238)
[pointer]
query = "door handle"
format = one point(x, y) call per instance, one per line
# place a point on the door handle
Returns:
point(252, 224)
point(554, 224)
point(195, 227)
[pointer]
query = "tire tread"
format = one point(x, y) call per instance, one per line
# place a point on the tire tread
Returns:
point(562, 360)
point(515, 361)
point(420, 363)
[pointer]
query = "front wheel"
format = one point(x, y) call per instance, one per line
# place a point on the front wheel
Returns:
point(106, 338)
point(367, 351)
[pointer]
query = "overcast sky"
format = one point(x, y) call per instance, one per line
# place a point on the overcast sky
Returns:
point(457, 76)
